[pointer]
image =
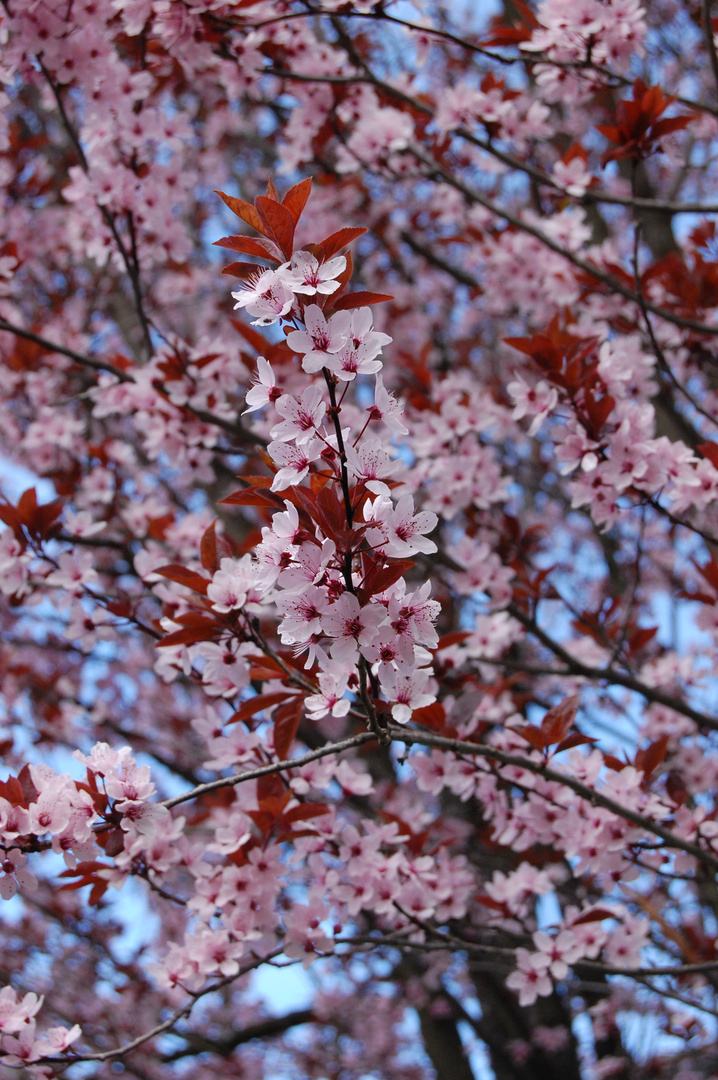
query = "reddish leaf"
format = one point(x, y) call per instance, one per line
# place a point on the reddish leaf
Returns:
point(189, 578)
point(640, 637)
point(710, 573)
point(256, 704)
point(381, 578)
point(296, 198)
point(574, 739)
point(112, 841)
point(710, 450)
point(271, 787)
point(650, 757)
point(455, 637)
point(279, 223)
point(249, 245)
point(533, 735)
point(305, 812)
point(597, 915)
point(242, 270)
point(557, 722)
point(207, 630)
point(338, 240)
point(243, 210)
point(360, 299)
point(614, 763)
point(286, 722)
point(213, 549)
point(676, 788)
point(432, 716)
point(251, 497)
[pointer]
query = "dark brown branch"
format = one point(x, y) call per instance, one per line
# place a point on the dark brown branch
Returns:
point(274, 767)
point(263, 1029)
point(610, 675)
point(131, 264)
point(710, 41)
point(63, 350)
point(595, 798)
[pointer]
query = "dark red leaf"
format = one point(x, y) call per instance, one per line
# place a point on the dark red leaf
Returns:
point(256, 704)
point(557, 722)
point(296, 198)
point(278, 222)
point(360, 299)
point(189, 578)
point(243, 210)
point(249, 245)
point(338, 240)
point(251, 497)
point(597, 915)
point(213, 549)
point(286, 722)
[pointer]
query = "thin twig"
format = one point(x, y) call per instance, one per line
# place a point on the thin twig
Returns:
point(595, 798)
point(63, 350)
point(274, 767)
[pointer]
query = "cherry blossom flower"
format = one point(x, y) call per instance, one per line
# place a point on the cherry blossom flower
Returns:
point(74, 573)
point(400, 532)
point(321, 338)
point(302, 418)
point(363, 345)
point(387, 409)
point(265, 295)
point(406, 688)
point(536, 401)
point(303, 614)
point(293, 462)
point(561, 951)
point(304, 274)
point(309, 565)
point(88, 628)
point(231, 584)
point(264, 390)
point(226, 671)
point(13, 876)
point(371, 463)
point(15, 1014)
point(304, 938)
point(351, 625)
point(332, 688)
point(531, 978)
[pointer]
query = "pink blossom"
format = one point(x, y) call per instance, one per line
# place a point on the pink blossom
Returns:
point(530, 978)
point(264, 390)
point(265, 295)
point(293, 462)
point(14, 876)
point(351, 626)
point(401, 530)
point(304, 274)
point(536, 401)
point(363, 345)
point(332, 688)
point(231, 584)
point(225, 671)
point(15, 1014)
point(406, 688)
point(321, 339)
point(304, 937)
point(303, 614)
point(387, 409)
point(302, 418)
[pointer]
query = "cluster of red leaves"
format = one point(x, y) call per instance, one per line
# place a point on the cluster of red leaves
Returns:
point(570, 363)
point(637, 129)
